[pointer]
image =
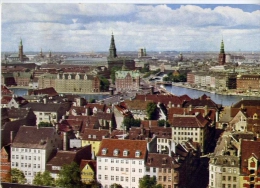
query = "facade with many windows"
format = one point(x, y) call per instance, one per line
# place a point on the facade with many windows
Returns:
point(121, 162)
point(31, 149)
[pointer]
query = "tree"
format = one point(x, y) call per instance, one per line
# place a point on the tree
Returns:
point(148, 182)
point(17, 176)
point(69, 176)
point(151, 110)
point(44, 179)
point(162, 123)
point(104, 83)
point(45, 124)
point(113, 73)
point(131, 122)
point(115, 185)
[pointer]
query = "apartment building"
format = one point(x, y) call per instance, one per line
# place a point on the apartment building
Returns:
point(32, 148)
point(121, 162)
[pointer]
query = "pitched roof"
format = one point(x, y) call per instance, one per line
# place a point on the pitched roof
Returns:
point(137, 104)
point(165, 99)
point(91, 163)
point(159, 160)
point(41, 107)
point(246, 103)
point(5, 90)
point(131, 146)
point(95, 134)
point(6, 99)
point(249, 148)
point(50, 91)
point(18, 112)
point(193, 121)
point(204, 100)
point(61, 157)
point(31, 137)
point(149, 123)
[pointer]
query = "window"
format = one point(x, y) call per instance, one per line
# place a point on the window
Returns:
point(112, 178)
point(126, 179)
point(117, 161)
point(137, 153)
point(117, 178)
point(29, 165)
point(125, 153)
point(12, 163)
point(133, 162)
point(234, 179)
point(17, 156)
point(133, 169)
point(106, 160)
point(169, 178)
point(122, 169)
point(140, 170)
point(99, 176)
point(116, 152)
point(21, 164)
point(117, 168)
point(105, 167)
point(133, 179)
point(126, 162)
point(160, 178)
point(112, 168)
point(224, 178)
point(140, 162)
point(39, 166)
point(122, 178)
point(112, 160)
point(29, 157)
point(104, 151)
point(126, 169)
point(105, 177)
point(34, 158)
point(154, 169)
point(13, 156)
point(122, 161)
point(99, 167)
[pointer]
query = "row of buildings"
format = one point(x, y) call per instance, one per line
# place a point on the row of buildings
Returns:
point(225, 81)
point(91, 135)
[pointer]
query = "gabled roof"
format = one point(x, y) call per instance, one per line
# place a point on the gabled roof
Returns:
point(246, 103)
point(31, 137)
point(18, 112)
point(5, 90)
point(75, 124)
point(249, 148)
point(131, 146)
point(95, 134)
point(160, 161)
point(92, 164)
point(41, 107)
point(193, 121)
point(50, 91)
point(6, 99)
point(61, 158)
point(203, 101)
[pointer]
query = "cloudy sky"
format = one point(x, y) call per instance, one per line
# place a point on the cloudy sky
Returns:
point(84, 27)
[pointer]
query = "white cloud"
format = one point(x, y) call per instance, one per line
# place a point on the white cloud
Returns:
point(156, 27)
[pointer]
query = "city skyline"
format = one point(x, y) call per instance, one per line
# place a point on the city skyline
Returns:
point(85, 27)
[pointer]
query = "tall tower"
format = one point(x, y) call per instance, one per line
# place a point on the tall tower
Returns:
point(112, 49)
point(222, 55)
point(21, 50)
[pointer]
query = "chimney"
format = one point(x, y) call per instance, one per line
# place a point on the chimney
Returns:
point(65, 141)
point(151, 89)
point(205, 110)
point(142, 129)
point(44, 100)
point(11, 136)
point(150, 124)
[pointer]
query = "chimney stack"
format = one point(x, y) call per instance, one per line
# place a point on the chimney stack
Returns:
point(65, 141)
point(11, 136)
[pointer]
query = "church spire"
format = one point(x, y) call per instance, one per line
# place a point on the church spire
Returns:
point(112, 49)
point(222, 47)
point(21, 42)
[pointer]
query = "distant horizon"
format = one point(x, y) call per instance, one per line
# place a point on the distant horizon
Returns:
point(83, 27)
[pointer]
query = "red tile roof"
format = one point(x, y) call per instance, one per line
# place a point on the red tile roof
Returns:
point(49, 91)
point(193, 121)
point(132, 146)
point(95, 134)
point(91, 163)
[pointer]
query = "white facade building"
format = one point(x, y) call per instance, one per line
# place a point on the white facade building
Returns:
point(31, 149)
point(121, 162)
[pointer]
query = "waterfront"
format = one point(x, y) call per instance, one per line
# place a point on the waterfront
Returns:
point(23, 91)
point(225, 100)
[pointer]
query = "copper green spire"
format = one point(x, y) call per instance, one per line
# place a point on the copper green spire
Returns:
point(21, 42)
point(222, 47)
point(112, 49)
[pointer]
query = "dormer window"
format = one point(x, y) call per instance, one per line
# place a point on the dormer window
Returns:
point(164, 161)
point(116, 152)
point(104, 151)
point(125, 153)
point(137, 153)
point(94, 136)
